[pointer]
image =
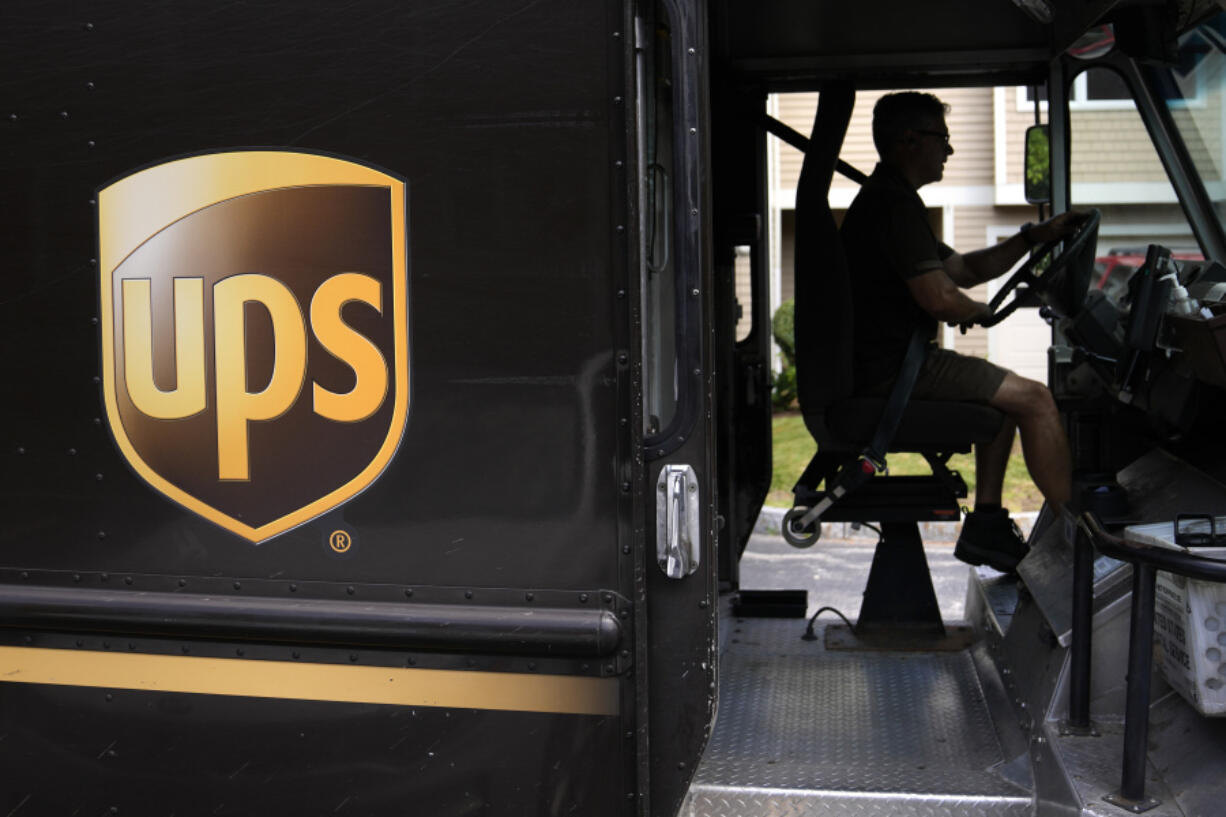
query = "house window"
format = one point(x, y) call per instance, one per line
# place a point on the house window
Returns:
point(1102, 89)
point(1095, 89)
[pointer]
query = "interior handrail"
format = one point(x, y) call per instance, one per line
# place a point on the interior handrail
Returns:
point(1146, 561)
point(1204, 568)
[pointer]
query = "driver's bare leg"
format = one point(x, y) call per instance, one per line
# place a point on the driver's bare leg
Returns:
point(1044, 443)
point(990, 462)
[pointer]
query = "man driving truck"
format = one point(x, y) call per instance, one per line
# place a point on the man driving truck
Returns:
point(903, 278)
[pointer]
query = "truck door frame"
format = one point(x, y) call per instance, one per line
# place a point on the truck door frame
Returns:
point(676, 618)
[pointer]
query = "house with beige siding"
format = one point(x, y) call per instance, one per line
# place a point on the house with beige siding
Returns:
point(980, 201)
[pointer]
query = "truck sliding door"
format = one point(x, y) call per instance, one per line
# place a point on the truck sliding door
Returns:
point(321, 477)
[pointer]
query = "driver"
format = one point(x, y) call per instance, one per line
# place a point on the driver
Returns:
point(904, 278)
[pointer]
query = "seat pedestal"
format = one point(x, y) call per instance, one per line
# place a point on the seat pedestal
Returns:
point(899, 595)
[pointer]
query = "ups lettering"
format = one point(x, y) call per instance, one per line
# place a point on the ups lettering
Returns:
point(237, 407)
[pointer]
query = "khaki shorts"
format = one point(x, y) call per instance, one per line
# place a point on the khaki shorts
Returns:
point(948, 375)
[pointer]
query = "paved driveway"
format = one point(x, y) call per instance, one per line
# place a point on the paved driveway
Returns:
point(834, 572)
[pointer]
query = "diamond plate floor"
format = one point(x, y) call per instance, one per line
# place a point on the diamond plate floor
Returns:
point(805, 731)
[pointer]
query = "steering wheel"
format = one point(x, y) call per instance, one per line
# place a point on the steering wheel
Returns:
point(1076, 260)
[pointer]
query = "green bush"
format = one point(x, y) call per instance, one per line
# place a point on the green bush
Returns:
point(783, 327)
point(783, 388)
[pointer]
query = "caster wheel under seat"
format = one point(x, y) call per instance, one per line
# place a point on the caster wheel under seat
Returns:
point(797, 536)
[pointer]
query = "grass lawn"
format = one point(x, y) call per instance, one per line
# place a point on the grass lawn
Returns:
point(793, 448)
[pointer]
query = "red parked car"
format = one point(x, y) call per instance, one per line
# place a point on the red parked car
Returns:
point(1112, 271)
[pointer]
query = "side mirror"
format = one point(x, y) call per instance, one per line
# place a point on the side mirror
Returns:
point(1037, 173)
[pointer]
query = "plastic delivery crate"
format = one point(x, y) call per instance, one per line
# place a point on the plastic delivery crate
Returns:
point(1190, 619)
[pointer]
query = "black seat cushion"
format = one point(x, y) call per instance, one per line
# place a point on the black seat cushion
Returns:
point(926, 424)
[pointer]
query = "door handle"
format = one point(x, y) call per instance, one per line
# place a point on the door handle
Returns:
point(677, 532)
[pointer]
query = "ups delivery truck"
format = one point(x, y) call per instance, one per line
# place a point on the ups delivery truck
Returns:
point(378, 437)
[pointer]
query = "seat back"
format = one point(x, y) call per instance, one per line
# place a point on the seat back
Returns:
point(823, 320)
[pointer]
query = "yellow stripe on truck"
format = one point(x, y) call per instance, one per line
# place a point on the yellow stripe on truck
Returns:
point(457, 689)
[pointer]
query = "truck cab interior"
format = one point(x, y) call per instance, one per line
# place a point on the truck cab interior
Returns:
point(1141, 401)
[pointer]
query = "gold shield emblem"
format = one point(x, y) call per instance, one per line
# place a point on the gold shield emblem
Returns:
point(254, 320)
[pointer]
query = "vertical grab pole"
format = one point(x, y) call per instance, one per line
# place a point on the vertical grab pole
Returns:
point(1140, 660)
point(1083, 625)
point(1136, 712)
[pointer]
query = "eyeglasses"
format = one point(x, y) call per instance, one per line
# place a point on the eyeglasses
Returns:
point(944, 135)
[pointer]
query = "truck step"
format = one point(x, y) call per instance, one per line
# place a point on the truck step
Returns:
point(804, 731)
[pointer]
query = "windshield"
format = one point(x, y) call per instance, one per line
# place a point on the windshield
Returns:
point(1194, 90)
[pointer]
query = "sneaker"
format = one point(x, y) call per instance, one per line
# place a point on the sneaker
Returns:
point(991, 538)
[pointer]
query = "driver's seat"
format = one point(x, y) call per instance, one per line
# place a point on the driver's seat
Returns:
point(899, 591)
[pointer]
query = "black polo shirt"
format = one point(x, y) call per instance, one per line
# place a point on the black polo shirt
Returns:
point(888, 239)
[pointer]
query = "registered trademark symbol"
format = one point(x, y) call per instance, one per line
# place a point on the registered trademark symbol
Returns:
point(340, 541)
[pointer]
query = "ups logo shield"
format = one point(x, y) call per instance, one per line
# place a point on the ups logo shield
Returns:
point(255, 331)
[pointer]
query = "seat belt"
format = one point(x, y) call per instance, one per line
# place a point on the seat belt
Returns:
point(871, 460)
point(891, 415)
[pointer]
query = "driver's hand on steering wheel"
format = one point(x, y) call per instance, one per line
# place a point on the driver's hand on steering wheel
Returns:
point(1056, 227)
point(984, 313)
